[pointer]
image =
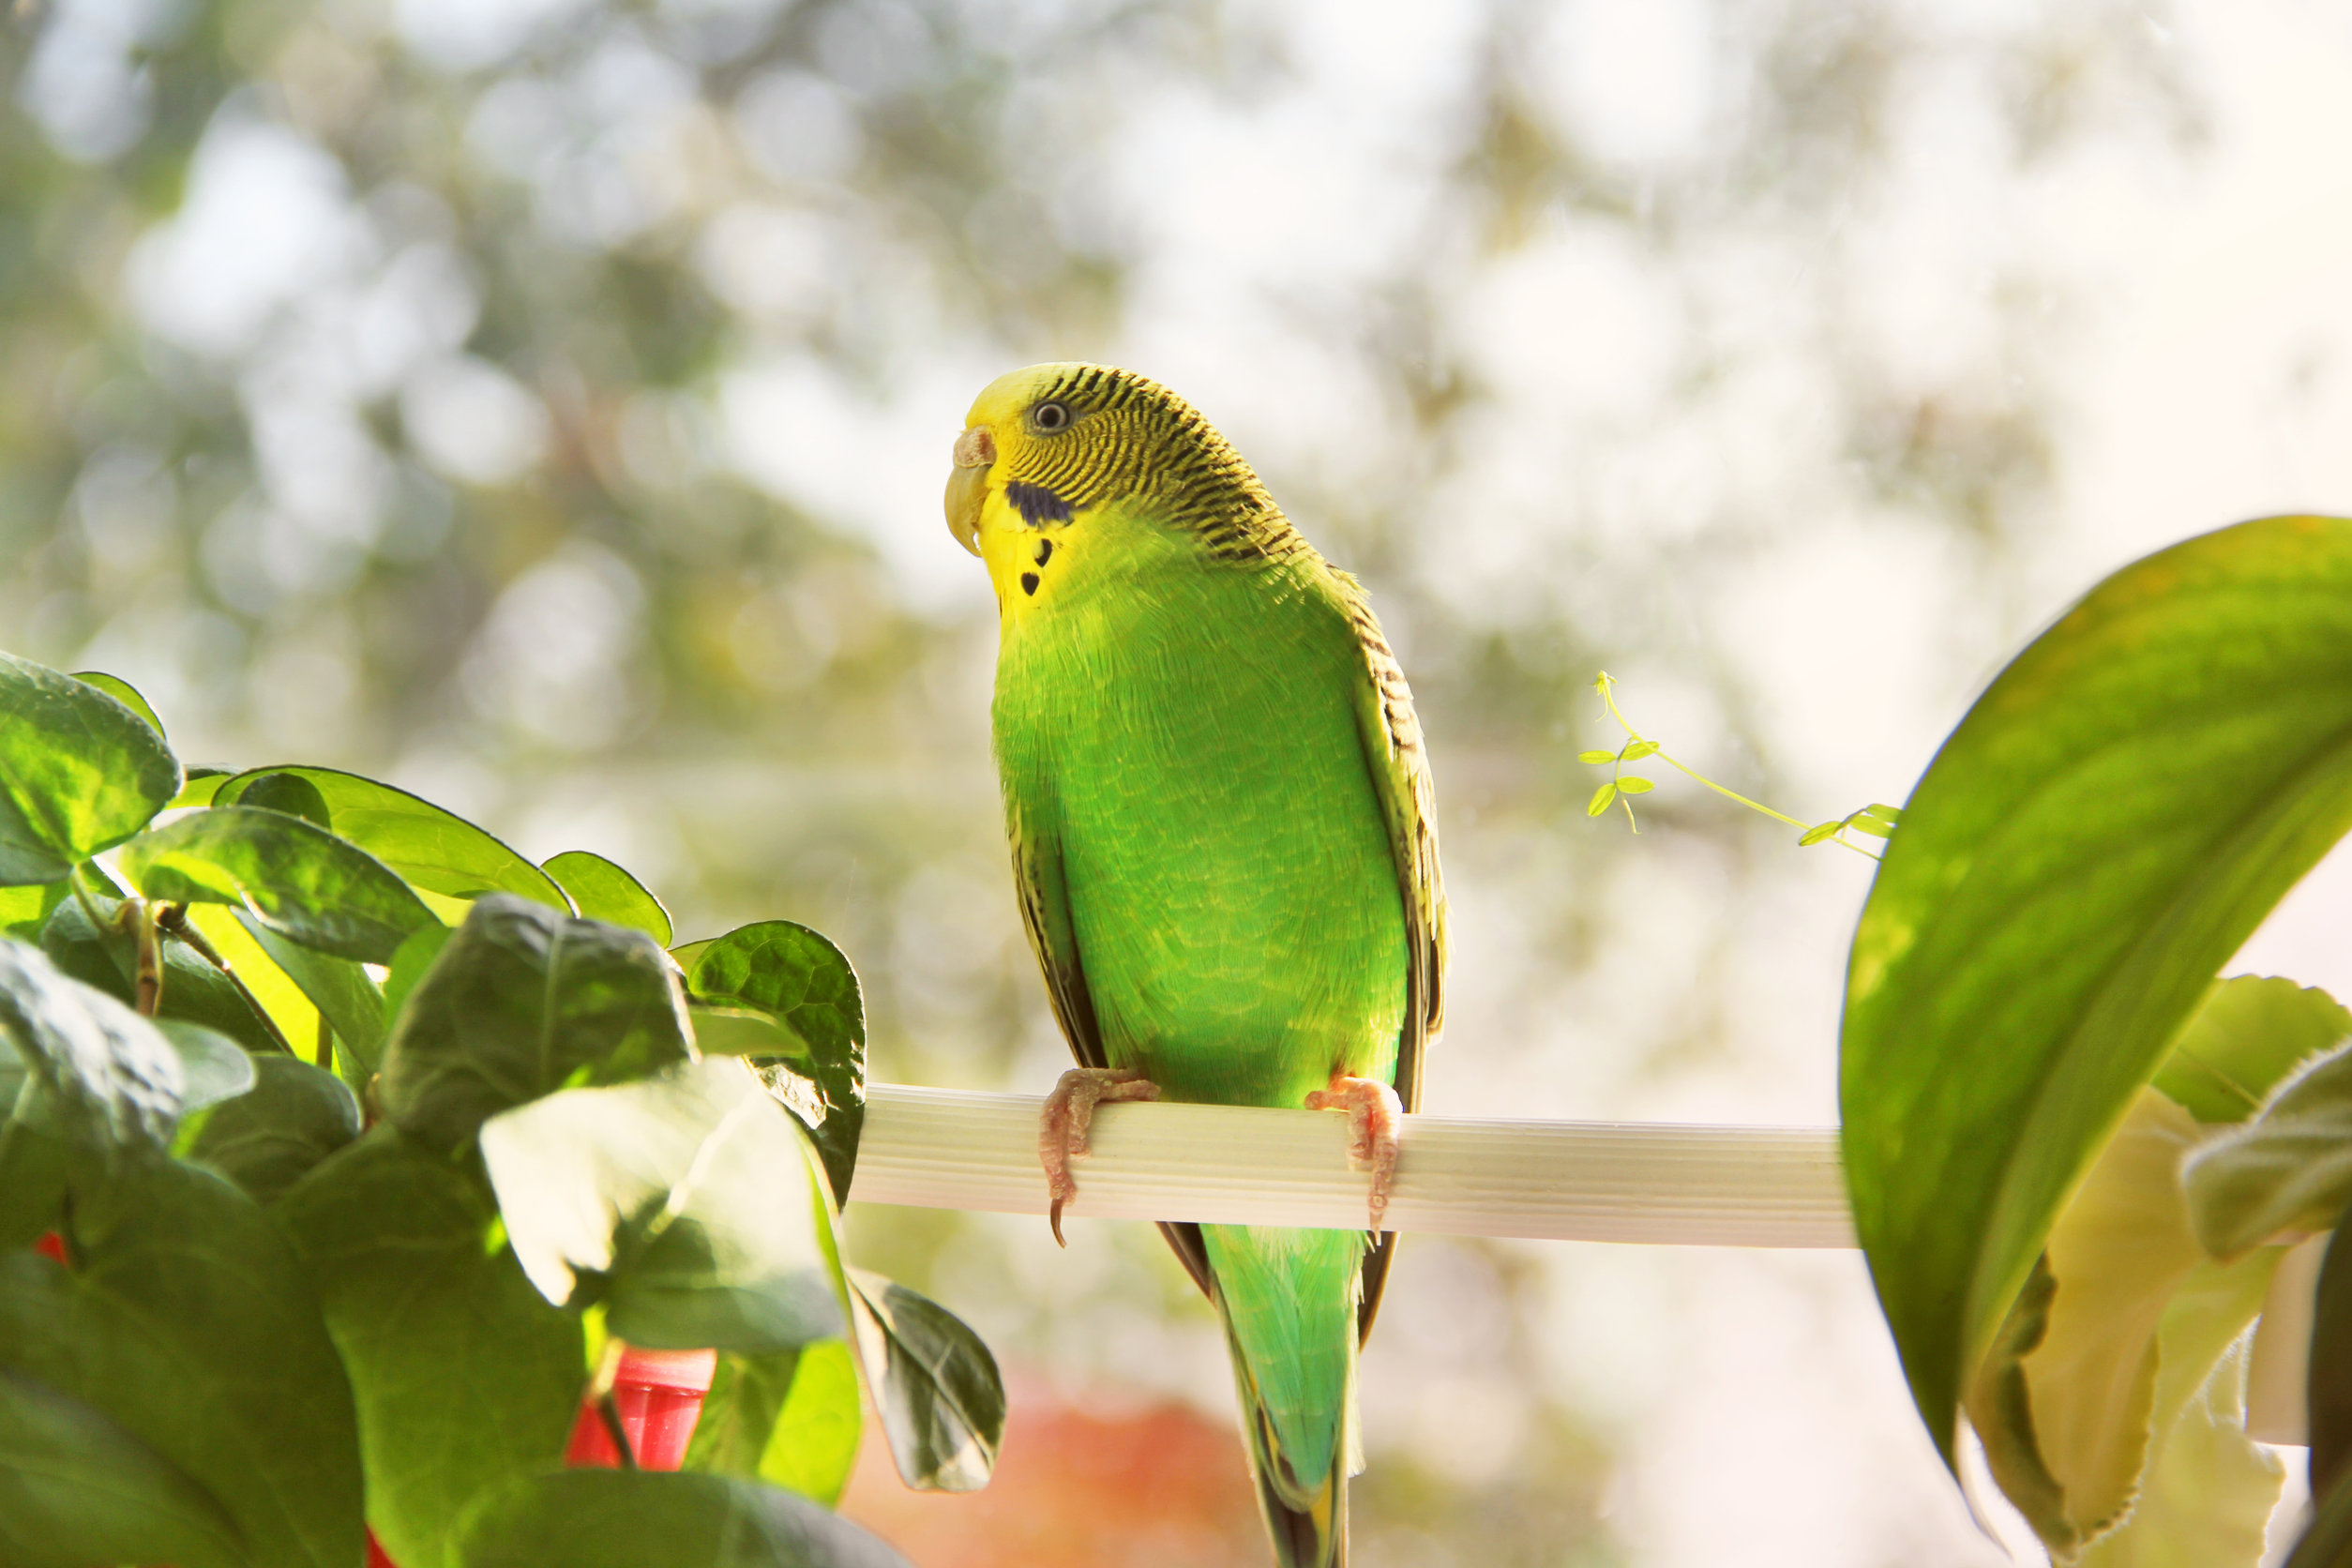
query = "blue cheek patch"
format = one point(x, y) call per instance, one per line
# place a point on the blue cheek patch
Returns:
point(1036, 505)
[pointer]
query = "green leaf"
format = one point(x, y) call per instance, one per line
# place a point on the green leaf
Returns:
point(1602, 799)
point(1890, 815)
point(463, 1377)
point(520, 1003)
point(1635, 751)
point(801, 981)
point(187, 1322)
point(212, 1067)
point(2328, 1387)
point(2289, 1168)
point(297, 878)
point(792, 1420)
point(114, 1082)
point(434, 848)
point(935, 1384)
point(601, 1518)
point(1631, 786)
point(193, 988)
point(603, 891)
point(343, 992)
point(201, 785)
point(124, 692)
point(75, 1489)
point(414, 956)
point(2106, 828)
point(265, 1140)
point(78, 771)
point(1597, 759)
point(287, 793)
point(2245, 1036)
point(24, 911)
point(686, 1204)
point(1819, 833)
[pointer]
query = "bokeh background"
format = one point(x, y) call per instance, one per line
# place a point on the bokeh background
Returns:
point(544, 404)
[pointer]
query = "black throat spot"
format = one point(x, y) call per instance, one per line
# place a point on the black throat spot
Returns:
point(1036, 505)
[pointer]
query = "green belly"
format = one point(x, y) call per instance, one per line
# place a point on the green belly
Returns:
point(1230, 883)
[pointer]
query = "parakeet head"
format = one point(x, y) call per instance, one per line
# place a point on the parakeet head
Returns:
point(1046, 447)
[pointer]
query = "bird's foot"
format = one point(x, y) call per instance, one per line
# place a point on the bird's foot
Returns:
point(1372, 1109)
point(1069, 1115)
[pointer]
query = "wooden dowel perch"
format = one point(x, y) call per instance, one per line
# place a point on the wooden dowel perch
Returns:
point(1556, 1181)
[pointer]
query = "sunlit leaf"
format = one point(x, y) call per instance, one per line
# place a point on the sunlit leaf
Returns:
point(935, 1385)
point(2109, 822)
point(106, 958)
point(605, 1518)
point(78, 771)
point(2245, 1036)
point(463, 1376)
point(805, 982)
point(792, 1420)
point(522, 1001)
point(1601, 800)
point(1819, 833)
point(603, 891)
point(1598, 759)
point(1634, 786)
point(1638, 749)
point(124, 692)
point(687, 1204)
point(434, 848)
point(343, 991)
point(24, 911)
point(199, 787)
point(302, 882)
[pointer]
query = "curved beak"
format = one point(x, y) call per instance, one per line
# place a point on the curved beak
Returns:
point(968, 485)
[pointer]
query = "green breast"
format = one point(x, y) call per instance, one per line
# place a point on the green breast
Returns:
point(1187, 731)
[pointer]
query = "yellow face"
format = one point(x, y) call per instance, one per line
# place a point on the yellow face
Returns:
point(1010, 498)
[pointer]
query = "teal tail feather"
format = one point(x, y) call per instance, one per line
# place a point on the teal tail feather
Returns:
point(1308, 1524)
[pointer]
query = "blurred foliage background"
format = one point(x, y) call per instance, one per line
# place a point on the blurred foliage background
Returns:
point(543, 404)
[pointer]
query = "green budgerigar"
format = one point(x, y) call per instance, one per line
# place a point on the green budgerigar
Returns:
point(1222, 831)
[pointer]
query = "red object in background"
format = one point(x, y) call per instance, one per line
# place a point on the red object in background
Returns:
point(659, 1397)
point(375, 1554)
point(53, 1245)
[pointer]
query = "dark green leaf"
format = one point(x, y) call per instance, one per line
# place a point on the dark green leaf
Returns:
point(340, 989)
point(289, 793)
point(2246, 1035)
point(2328, 1387)
point(434, 848)
point(935, 1384)
point(113, 1082)
point(600, 1518)
point(202, 784)
point(687, 1204)
point(520, 1003)
point(297, 878)
point(124, 692)
point(267, 1139)
point(603, 891)
point(792, 1420)
point(464, 1378)
point(801, 981)
point(187, 1322)
point(2328, 1542)
point(76, 1490)
point(24, 911)
point(193, 988)
point(2109, 822)
point(2288, 1168)
point(212, 1067)
point(409, 964)
point(78, 771)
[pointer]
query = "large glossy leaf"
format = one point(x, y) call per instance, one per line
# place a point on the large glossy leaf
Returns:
point(75, 1489)
point(2245, 1036)
point(269, 1139)
point(24, 911)
point(603, 891)
point(792, 1420)
point(297, 878)
point(803, 983)
point(434, 848)
point(520, 1003)
point(935, 1384)
point(194, 988)
point(2288, 1168)
point(2108, 824)
point(601, 1518)
point(464, 1378)
point(78, 771)
point(113, 1080)
point(187, 1322)
point(687, 1205)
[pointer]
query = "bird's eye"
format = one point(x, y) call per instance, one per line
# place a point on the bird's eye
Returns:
point(1050, 417)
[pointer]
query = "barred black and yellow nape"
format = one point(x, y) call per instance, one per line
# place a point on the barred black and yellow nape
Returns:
point(1060, 441)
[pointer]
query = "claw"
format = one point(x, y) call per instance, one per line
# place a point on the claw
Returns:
point(1068, 1119)
point(1373, 1110)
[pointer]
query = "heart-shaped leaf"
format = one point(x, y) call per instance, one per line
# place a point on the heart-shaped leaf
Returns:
point(522, 1001)
point(295, 878)
point(78, 771)
point(269, 1139)
point(463, 1376)
point(603, 891)
point(2107, 826)
point(601, 1518)
point(802, 982)
point(113, 1080)
point(686, 1203)
point(937, 1387)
